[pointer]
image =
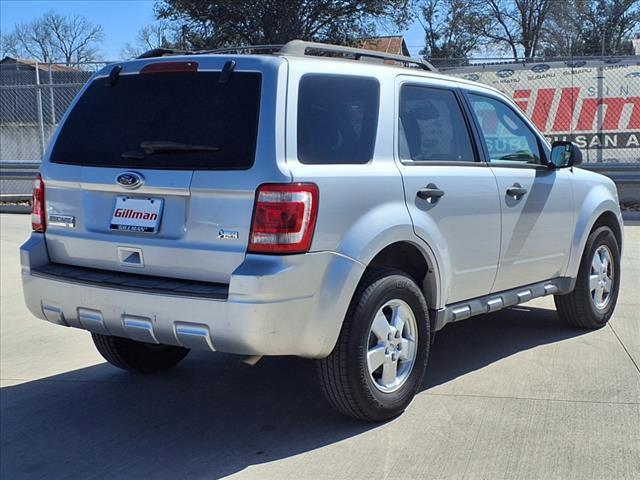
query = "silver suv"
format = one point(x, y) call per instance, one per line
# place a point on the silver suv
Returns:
point(318, 201)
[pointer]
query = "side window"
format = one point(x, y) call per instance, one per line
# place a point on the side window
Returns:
point(507, 137)
point(432, 127)
point(337, 119)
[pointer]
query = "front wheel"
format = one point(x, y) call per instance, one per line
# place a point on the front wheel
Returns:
point(594, 297)
point(137, 356)
point(380, 358)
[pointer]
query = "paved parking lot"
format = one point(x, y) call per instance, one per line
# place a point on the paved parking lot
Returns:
point(513, 395)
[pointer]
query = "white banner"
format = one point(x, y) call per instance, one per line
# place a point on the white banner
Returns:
point(594, 103)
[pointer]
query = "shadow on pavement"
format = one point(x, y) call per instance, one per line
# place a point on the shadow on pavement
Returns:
point(213, 416)
point(466, 346)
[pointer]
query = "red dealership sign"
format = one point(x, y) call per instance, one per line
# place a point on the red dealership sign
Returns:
point(594, 103)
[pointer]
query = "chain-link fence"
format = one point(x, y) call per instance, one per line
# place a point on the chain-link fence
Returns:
point(595, 102)
point(33, 98)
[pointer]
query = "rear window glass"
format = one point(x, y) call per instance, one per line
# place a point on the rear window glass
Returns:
point(155, 120)
point(337, 119)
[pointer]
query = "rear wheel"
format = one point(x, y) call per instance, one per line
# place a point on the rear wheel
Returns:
point(381, 355)
point(594, 297)
point(137, 356)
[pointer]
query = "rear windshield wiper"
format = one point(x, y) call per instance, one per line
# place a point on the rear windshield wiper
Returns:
point(168, 147)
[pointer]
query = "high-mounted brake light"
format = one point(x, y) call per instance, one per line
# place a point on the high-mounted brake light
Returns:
point(38, 217)
point(170, 67)
point(284, 217)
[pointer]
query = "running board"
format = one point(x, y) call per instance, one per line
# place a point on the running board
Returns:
point(498, 301)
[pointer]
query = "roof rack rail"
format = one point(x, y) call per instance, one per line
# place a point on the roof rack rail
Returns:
point(160, 52)
point(300, 47)
point(244, 48)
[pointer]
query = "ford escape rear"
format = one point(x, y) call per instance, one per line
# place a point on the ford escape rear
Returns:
point(299, 204)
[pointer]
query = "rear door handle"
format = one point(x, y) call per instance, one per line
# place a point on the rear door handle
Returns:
point(516, 190)
point(430, 191)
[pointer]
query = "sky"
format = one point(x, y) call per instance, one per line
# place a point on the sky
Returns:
point(121, 19)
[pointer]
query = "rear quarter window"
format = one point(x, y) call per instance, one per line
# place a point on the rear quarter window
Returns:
point(191, 108)
point(337, 119)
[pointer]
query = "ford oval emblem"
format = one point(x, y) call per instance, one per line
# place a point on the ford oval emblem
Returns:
point(130, 180)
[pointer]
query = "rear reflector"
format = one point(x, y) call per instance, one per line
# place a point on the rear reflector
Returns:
point(38, 217)
point(284, 217)
point(168, 67)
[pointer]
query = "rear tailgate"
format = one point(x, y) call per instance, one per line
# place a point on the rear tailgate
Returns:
point(189, 211)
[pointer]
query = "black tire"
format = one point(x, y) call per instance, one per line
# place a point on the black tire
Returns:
point(344, 374)
point(137, 356)
point(577, 308)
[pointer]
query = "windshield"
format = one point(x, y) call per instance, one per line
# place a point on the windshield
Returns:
point(186, 120)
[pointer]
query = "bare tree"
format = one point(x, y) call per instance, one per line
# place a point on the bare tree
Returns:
point(8, 46)
point(57, 38)
point(74, 37)
point(156, 35)
point(517, 24)
point(34, 40)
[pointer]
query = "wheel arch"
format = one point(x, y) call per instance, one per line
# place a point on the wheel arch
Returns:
point(609, 219)
point(410, 258)
point(394, 247)
point(595, 211)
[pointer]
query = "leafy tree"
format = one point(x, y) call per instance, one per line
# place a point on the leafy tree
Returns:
point(609, 26)
point(71, 39)
point(451, 28)
point(563, 33)
point(215, 23)
point(592, 27)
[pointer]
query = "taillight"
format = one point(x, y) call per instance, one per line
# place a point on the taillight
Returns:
point(284, 217)
point(38, 217)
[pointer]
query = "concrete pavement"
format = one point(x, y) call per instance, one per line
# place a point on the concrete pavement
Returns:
point(513, 395)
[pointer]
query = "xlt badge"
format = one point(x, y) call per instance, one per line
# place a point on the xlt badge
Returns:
point(228, 234)
point(67, 221)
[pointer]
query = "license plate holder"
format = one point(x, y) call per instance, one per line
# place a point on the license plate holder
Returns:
point(132, 214)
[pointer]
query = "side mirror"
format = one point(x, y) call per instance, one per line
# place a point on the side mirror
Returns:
point(565, 154)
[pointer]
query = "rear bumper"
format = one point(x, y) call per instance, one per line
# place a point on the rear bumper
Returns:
point(288, 305)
